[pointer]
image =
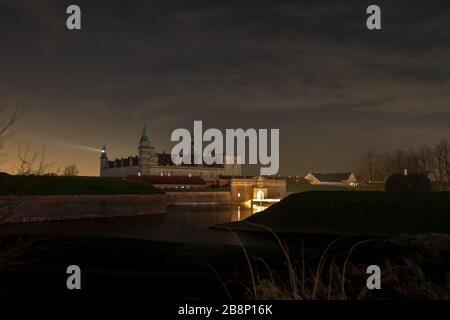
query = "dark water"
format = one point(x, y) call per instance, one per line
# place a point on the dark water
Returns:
point(180, 224)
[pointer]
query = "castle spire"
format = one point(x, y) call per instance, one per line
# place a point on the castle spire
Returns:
point(103, 155)
point(144, 137)
point(103, 160)
point(148, 157)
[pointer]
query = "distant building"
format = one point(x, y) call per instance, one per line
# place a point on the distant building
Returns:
point(151, 163)
point(346, 179)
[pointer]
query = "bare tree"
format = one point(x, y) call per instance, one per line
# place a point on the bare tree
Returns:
point(425, 156)
point(411, 160)
point(367, 167)
point(70, 170)
point(386, 165)
point(7, 121)
point(32, 162)
point(442, 163)
point(400, 160)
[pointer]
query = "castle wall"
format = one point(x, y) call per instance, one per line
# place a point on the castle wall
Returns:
point(242, 189)
point(205, 173)
point(233, 169)
point(198, 198)
point(276, 188)
point(119, 171)
point(37, 208)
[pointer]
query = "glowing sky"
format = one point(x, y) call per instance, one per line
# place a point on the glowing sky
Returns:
point(310, 68)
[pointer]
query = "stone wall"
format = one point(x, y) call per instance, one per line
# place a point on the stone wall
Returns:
point(206, 173)
point(243, 189)
point(16, 209)
point(198, 198)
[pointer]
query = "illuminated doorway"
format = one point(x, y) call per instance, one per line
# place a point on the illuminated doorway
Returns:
point(260, 195)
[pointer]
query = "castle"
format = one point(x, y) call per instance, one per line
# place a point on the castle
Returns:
point(150, 162)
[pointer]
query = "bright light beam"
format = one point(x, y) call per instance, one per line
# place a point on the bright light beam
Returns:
point(75, 146)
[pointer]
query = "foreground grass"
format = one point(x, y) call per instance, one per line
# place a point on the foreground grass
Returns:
point(413, 267)
point(59, 185)
point(355, 213)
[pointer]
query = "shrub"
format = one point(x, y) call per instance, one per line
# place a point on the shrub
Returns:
point(410, 182)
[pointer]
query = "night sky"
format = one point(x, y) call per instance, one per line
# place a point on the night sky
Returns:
point(309, 68)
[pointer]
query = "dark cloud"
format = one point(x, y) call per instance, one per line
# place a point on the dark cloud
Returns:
point(310, 68)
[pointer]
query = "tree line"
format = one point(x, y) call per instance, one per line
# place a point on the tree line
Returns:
point(34, 163)
point(433, 161)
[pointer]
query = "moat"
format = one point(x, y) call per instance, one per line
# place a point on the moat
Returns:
point(180, 224)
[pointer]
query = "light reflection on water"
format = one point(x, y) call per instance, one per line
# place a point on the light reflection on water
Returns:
point(180, 224)
point(257, 208)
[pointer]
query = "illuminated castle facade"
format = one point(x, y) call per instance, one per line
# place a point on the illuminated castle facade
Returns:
point(150, 162)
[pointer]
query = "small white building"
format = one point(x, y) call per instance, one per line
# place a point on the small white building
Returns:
point(346, 179)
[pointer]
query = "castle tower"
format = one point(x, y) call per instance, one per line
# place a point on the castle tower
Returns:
point(147, 155)
point(103, 160)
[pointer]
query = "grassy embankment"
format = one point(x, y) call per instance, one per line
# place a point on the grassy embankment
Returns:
point(59, 185)
point(355, 213)
point(405, 234)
